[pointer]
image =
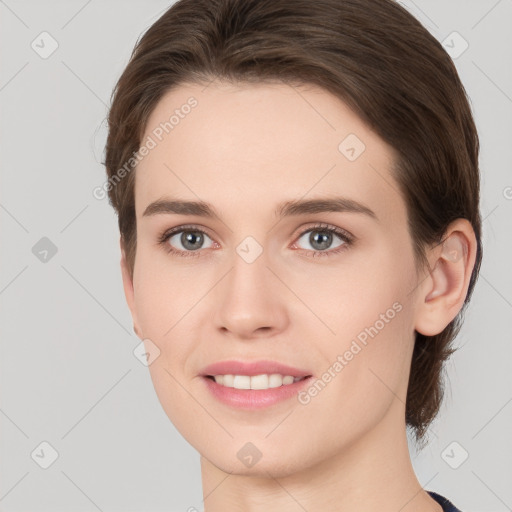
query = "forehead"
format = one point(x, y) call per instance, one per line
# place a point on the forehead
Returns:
point(260, 143)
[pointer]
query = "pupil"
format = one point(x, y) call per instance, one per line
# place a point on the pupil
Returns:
point(193, 239)
point(324, 242)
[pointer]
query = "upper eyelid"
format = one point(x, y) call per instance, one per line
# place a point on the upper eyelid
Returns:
point(321, 226)
point(178, 229)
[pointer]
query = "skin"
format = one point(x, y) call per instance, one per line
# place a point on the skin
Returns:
point(245, 149)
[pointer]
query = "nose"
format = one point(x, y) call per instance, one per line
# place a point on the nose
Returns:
point(250, 301)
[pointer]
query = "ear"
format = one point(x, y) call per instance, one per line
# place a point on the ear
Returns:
point(128, 288)
point(442, 293)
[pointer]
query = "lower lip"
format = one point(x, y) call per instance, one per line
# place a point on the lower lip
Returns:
point(254, 398)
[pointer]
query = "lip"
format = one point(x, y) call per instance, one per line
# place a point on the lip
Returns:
point(252, 368)
point(253, 398)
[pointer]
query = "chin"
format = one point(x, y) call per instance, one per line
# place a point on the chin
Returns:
point(256, 460)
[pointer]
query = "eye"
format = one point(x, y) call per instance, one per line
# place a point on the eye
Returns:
point(321, 238)
point(185, 240)
point(189, 240)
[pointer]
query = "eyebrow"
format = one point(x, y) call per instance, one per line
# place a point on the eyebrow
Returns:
point(285, 209)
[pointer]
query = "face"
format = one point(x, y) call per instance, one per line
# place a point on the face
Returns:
point(305, 260)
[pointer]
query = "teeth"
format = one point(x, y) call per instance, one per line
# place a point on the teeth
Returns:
point(263, 381)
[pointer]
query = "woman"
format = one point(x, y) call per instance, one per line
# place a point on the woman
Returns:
point(297, 187)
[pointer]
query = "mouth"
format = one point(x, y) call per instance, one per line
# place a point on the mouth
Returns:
point(253, 384)
point(256, 382)
point(254, 392)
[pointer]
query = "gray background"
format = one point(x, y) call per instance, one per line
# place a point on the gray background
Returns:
point(68, 373)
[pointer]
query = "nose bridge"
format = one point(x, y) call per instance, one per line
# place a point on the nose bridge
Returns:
point(249, 277)
point(248, 298)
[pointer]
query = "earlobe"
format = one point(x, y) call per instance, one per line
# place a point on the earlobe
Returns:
point(128, 288)
point(442, 294)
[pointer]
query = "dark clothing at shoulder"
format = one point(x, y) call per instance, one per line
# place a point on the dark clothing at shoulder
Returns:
point(447, 505)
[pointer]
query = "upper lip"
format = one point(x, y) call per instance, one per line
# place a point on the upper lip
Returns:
point(252, 368)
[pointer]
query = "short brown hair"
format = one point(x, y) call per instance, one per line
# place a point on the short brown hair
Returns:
point(373, 55)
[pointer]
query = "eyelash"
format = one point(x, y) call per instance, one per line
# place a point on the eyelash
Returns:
point(323, 228)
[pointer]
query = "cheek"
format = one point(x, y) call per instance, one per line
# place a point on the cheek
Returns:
point(164, 293)
point(350, 296)
point(368, 307)
point(169, 299)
